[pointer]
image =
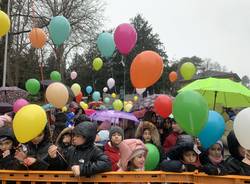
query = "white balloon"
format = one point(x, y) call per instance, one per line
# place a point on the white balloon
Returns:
point(73, 75)
point(111, 83)
point(140, 90)
point(242, 127)
point(105, 89)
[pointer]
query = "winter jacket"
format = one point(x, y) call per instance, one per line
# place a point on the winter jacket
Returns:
point(170, 141)
point(113, 154)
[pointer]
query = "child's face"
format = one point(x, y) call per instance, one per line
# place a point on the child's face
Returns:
point(66, 139)
point(116, 138)
point(6, 145)
point(139, 161)
point(215, 151)
point(189, 156)
point(38, 139)
point(176, 128)
point(78, 140)
point(147, 135)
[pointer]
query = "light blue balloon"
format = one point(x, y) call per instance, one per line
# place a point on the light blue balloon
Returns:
point(106, 100)
point(106, 44)
point(213, 129)
point(89, 89)
point(59, 29)
point(96, 96)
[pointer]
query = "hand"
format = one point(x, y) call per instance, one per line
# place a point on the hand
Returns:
point(6, 153)
point(76, 170)
point(52, 151)
point(29, 161)
point(20, 155)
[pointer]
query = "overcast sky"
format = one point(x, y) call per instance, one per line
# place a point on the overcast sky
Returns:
point(216, 29)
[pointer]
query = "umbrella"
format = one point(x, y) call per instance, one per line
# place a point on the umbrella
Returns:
point(5, 107)
point(112, 116)
point(11, 94)
point(221, 91)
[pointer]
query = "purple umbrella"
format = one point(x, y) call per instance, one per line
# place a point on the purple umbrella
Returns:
point(112, 116)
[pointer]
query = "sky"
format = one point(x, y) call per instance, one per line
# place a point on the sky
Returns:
point(215, 29)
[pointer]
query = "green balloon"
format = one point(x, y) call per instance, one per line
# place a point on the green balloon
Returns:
point(118, 105)
point(97, 64)
point(32, 86)
point(187, 70)
point(55, 76)
point(106, 100)
point(153, 157)
point(190, 111)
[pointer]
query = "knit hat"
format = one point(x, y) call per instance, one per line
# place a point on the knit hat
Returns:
point(137, 152)
point(115, 129)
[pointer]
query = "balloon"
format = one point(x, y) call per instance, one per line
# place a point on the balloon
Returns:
point(111, 83)
point(187, 70)
point(106, 44)
point(96, 96)
point(18, 104)
point(135, 98)
point(5, 23)
point(172, 76)
point(213, 130)
point(59, 29)
point(125, 38)
point(190, 111)
point(84, 105)
point(89, 89)
point(55, 76)
point(105, 89)
point(32, 86)
point(146, 69)
point(117, 104)
point(113, 95)
point(64, 109)
point(153, 157)
point(37, 38)
point(128, 107)
point(76, 88)
point(163, 105)
point(241, 127)
point(29, 122)
point(73, 75)
point(106, 100)
point(140, 90)
point(97, 64)
point(57, 94)
point(79, 97)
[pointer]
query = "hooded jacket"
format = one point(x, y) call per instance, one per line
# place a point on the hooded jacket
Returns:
point(90, 158)
point(64, 148)
point(127, 148)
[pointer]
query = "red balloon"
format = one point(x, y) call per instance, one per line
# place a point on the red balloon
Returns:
point(172, 76)
point(163, 105)
point(79, 97)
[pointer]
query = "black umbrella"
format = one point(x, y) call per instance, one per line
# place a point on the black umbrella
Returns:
point(5, 107)
point(11, 94)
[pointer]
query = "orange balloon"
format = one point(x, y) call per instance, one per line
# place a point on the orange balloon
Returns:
point(146, 69)
point(37, 38)
point(172, 76)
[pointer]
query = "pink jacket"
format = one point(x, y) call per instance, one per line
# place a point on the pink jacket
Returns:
point(127, 147)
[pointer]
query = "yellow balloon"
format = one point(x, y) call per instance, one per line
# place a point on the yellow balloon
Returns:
point(5, 23)
point(29, 122)
point(118, 105)
point(84, 105)
point(97, 64)
point(128, 107)
point(76, 88)
point(135, 98)
point(113, 95)
point(125, 103)
point(64, 109)
point(57, 94)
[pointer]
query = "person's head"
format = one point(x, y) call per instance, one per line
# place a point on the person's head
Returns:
point(66, 139)
point(38, 139)
point(147, 136)
point(6, 144)
point(116, 135)
point(216, 150)
point(176, 127)
point(138, 160)
point(189, 156)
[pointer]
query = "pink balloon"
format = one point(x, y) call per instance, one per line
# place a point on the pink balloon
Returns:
point(125, 38)
point(73, 75)
point(19, 104)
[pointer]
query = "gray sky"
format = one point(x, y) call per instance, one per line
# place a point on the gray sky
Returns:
point(216, 29)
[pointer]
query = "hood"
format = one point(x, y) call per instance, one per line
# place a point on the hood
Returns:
point(153, 130)
point(88, 130)
point(233, 146)
point(127, 149)
point(176, 152)
point(63, 132)
point(7, 133)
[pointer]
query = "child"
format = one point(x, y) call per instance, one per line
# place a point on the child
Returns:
point(84, 158)
point(111, 149)
point(64, 140)
point(133, 155)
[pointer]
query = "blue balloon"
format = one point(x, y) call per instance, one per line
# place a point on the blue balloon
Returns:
point(213, 130)
point(59, 29)
point(96, 96)
point(89, 89)
point(106, 44)
point(106, 100)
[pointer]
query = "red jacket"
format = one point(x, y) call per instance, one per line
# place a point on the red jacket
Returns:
point(113, 154)
point(170, 141)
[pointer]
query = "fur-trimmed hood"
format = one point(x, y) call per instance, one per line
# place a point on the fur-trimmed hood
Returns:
point(67, 130)
point(153, 130)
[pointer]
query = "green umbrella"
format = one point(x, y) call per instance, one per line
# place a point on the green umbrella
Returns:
point(221, 91)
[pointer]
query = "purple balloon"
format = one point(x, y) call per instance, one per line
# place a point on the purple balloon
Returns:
point(19, 104)
point(125, 38)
